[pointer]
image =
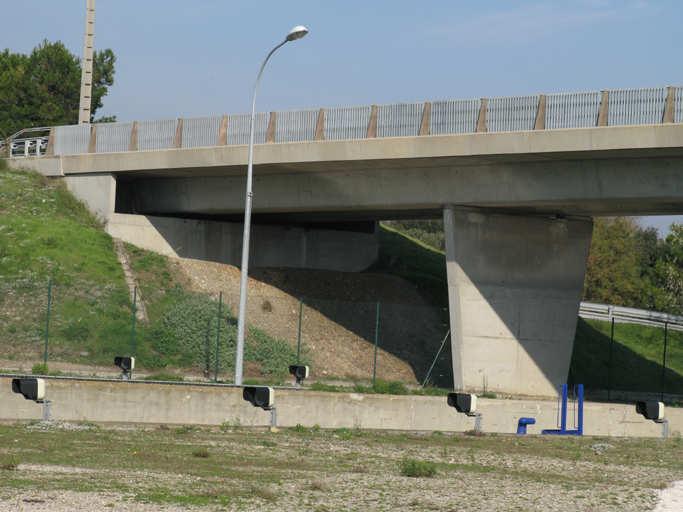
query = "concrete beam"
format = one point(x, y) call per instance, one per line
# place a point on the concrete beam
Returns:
point(514, 287)
point(582, 187)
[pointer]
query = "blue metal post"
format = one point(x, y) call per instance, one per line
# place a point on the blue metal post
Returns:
point(563, 420)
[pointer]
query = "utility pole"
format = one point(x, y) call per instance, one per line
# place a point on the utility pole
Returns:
point(86, 64)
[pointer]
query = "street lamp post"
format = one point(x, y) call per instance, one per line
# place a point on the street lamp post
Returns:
point(296, 33)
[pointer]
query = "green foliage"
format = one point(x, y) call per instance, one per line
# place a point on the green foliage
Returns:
point(43, 88)
point(10, 462)
point(321, 386)
point(48, 234)
point(298, 428)
point(190, 327)
point(613, 275)
point(429, 232)
point(275, 355)
point(40, 369)
point(390, 388)
point(416, 468)
point(164, 376)
point(636, 357)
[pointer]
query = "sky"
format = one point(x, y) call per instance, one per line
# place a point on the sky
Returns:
point(201, 57)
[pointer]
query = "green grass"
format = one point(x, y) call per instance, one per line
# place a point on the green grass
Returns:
point(47, 234)
point(415, 261)
point(416, 468)
point(636, 358)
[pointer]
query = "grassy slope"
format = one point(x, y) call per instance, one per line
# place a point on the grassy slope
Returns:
point(48, 234)
point(421, 264)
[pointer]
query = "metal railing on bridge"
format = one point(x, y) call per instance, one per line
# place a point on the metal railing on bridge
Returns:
point(617, 107)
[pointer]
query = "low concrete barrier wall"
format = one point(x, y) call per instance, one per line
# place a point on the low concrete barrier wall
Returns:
point(144, 403)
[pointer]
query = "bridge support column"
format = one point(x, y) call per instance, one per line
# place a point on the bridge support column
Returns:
point(515, 285)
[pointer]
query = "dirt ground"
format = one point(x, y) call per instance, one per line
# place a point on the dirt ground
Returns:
point(339, 334)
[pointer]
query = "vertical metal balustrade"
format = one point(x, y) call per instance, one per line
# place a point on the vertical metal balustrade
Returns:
point(572, 110)
point(454, 116)
point(201, 132)
point(344, 123)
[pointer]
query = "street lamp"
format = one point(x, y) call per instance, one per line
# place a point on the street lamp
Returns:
point(296, 33)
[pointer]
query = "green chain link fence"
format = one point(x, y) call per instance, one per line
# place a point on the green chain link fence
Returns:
point(77, 330)
point(625, 360)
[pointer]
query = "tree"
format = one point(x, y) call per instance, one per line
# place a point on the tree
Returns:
point(665, 276)
point(614, 263)
point(43, 88)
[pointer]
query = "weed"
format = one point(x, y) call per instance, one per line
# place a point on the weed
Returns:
point(298, 428)
point(343, 433)
point(10, 463)
point(389, 388)
point(316, 428)
point(474, 433)
point(316, 485)
point(187, 429)
point(40, 369)
point(201, 453)
point(319, 386)
point(437, 433)
point(416, 468)
point(163, 376)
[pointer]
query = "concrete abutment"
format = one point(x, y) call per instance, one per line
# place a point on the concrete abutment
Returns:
point(515, 284)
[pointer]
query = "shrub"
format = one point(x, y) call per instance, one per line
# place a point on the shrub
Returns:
point(40, 369)
point(76, 332)
point(390, 388)
point(191, 326)
point(10, 463)
point(275, 355)
point(416, 468)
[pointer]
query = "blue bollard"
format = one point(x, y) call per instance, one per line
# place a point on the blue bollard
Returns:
point(523, 422)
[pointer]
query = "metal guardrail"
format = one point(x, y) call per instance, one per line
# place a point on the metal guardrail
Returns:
point(621, 314)
point(17, 146)
point(617, 107)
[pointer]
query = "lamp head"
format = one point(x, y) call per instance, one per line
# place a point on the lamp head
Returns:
point(297, 33)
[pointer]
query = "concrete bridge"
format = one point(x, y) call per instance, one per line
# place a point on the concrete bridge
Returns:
point(516, 180)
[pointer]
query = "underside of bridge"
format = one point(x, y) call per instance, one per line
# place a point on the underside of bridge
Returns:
point(517, 210)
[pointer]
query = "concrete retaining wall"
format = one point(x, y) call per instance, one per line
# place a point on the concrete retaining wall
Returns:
point(143, 403)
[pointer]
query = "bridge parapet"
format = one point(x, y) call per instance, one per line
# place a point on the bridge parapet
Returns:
point(617, 107)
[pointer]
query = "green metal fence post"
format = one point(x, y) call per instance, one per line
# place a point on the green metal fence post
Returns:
point(298, 345)
point(374, 373)
point(132, 334)
point(666, 325)
point(218, 336)
point(609, 377)
point(47, 325)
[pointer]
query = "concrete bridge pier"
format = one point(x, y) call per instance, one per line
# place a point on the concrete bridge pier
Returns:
point(515, 285)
